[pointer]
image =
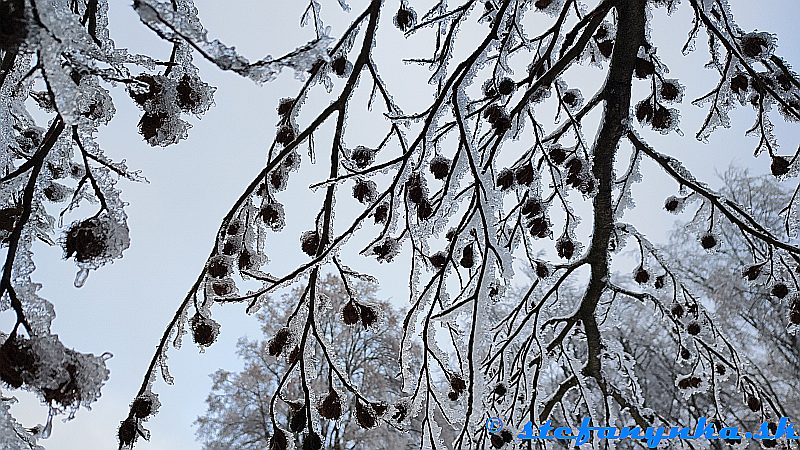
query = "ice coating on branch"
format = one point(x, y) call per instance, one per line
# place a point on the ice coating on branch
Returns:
point(172, 25)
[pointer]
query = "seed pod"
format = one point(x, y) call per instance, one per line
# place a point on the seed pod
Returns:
point(708, 241)
point(506, 86)
point(669, 90)
point(273, 215)
point(365, 416)
point(297, 420)
point(780, 290)
point(56, 192)
point(369, 316)
point(312, 441)
point(438, 259)
point(187, 97)
point(752, 272)
point(278, 343)
point(677, 310)
point(350, 315)
point(457, 383)
point(693, 328)
point(505, 179)
point(542, 271)
point(86, 240)
point(381, 213)
point(285, 135)
point(415, 189)
point(662, 118)
point(641, 276)
point(362, 156)
point(672, 204)
point(285, 107)
point(401, 411)
point(365, 191)
point(685, 354)
point(440, 167)
point(339, 66)
point(424, 209)
point(739, 83)
point(542, 4)
point(309, 242)
point(720, 369)
point(644, 111)
point(144, 405)
point(539, 227)
point(753, 403)
point(128, 432)
point(780, 166)
point(331, 406)
point(496, 440)
point(524, 174)
point(467, 257)
point(150, 124)
point(500, 390)
point(278, 440)
point(405, 18)
point(246, 259)
point(557, 155)
point(754, 45)
point(204, 330)
point(18, 361)
point(565, 248)
point(218, 267)
point(689, 382)
point(643, 68)
point(606, 47)
point(452, 395)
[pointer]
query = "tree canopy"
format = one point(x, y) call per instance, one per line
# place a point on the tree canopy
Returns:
point(522, 153)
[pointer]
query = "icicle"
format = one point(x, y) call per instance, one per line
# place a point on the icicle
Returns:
point(80, 277)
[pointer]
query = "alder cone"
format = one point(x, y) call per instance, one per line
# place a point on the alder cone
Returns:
point(497, 441)
point(350, 314)
point(297, 423)
point(312, 441)
point(753, 403)
point(278, 440)
point(365, 416)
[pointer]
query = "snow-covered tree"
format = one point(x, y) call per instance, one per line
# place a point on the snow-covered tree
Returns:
point(457, 194)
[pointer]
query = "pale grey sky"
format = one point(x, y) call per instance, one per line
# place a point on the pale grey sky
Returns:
point(124, 307)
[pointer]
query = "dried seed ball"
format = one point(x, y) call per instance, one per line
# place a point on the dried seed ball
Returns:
point(672, 204)
point(505, 179)
point(507, 436)
point(457, 383)
point(18, 361)
point(312, 441)
point(784, 81)
point(531, 208)
point(708, 241)
point(414, 188)
point(438, 259)
point(13, 26)
point(278, 440)
point(539, 227)
point(381, 213)
point(285, 106)
point(452, 395)
point(424, 209)
point(365, 191)
point(574, 167)
point(752, 272)
point(150, 123)
point(440, 167)
point(87, 240)
point(297, 420)
point(362, 156)
point(606, 47)
point(780, 166)
point(565, 248)
point(365, 416)
point(641, 275)
point(331, 406)
point(753, 403)
point(278, 343)
point(689, 382)
point(662, 118)
point(496, 440)
point(670, 90)
point(739, 83)
point(754, 45)
point(204, 330)
point(294, 355)
point(643, 68)
point(218, 266)
point(401, 411)
point(369, 315)
point(285, 135)
point(500, 390)
point(677, 310)
point(467, 257)
point(493, 113)
point(693, 329)
point(644, 111)
point(541, 270)
point(557, 155)
point(144, 405)
point(502, 125)
point(379, 408)
point(128, 432)
point(339, 65)
point(309, 242)
point(350, 315)
point(660, 281)
point(720, 369)
point(506, 86)
point(234, 227)
point(405, 18)
point(273, 215)
point(56, 192)
point(794, 313)
point(780, 290)
point(685, 354)
point(141, 94)
point(246, 259)
point(542, 4)
point(524, 174)
point(188, 98)
point(570, 98)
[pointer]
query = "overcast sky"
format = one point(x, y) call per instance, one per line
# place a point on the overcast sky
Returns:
point(124, 307)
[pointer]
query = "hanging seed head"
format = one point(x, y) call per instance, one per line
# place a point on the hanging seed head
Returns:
point(204, 330)
point(672, 204)
point(278, 343)
point(753, 403)
point(350, 315)
point(557, 155)
point(739, 83)
point(246, 259)
point(401, 411)
point(643, 68)
point(500, 390)
point(424, 209)
point(606, 47)
point(689, 382)
point(88, 240)
point(365, 191)
point(151, 123)
point(362, 156)
point(312, 441)
point(278, 440)
point(339, 65)
point(644, 111)
point(693, 328)
point(670, 91)
point(660, 280)
point(507, 436)
point(532, 208)
point(144, 405)
point(457, 383)
point(285, 107)
point(524, 174)
point(467, 257)
point(708, 241)
point(331, 406)
point(505, 179)
point(218, 266)
point(565, 248)
point(540, 227)
point(285, 135)
point(56, 192)
point(297, 420)
point(641, 275)
point(493, 113)
point(365, 416)
point(542, 271)
point(128, 432)
point(147, 88)
point(677, 310)
point(756, 45)
point(294, 355)
point(794, 312)
point(780, 166)
point(18, 361)
point(496, 441)
point(369, 315)
point(780, 290)
point(405, 18)
point(720, 369)
point(752, 272)
point(309, 242)
point(381, 213)
point(438, 259)
point(440, 167)
point(662, 118)
point(542, 4)
point(273, 215)
point(685, 354)
point(506, 86)
point(188, 98)
point(379, 408)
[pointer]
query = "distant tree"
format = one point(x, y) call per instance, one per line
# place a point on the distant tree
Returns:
point(241, 404)
point(456, 193)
